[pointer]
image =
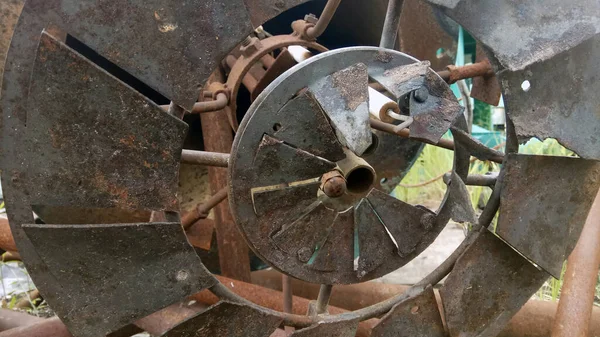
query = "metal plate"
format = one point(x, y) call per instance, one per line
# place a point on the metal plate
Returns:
point(488, 285)
point(94, 142)
point(555, 48)
point(268, 201)
point(106, 280)
point(227, 319)
point(374, 240)
point(416, 316)
point(344, 97)
point(337, 253)
point(404, 79)
point(247, 180)
point(485, 88)
point(460, 199)
point(544, 204)
point(329, 329)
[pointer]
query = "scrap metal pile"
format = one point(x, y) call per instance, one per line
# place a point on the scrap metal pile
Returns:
point(88, 148)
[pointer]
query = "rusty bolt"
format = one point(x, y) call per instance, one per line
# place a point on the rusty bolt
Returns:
point(428, 221)
point(311, 18)
point(333, 184)
point(250, 46)
point(304, 254)
point(421, 94)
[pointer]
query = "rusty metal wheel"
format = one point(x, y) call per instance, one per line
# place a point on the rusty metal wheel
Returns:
point(311, 158)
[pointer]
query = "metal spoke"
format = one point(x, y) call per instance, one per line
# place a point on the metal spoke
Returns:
point(219, 103)
point(319, 28)
point(488, 180)
point(323, 298)
point(202, 210)
point(391, 25)
point(205, 158)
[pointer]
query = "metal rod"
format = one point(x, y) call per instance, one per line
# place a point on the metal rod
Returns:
point(286, 285)
point(577, 296)
point(405, 133)
point(488, 180)
point(202, 210)
point(324, 19)
point(323, 298)
point(219, 103)
point(389, 35)
point(454, 74)
point(176, 110)
point(205, 158)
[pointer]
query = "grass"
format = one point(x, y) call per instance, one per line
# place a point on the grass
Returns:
point(424, 185)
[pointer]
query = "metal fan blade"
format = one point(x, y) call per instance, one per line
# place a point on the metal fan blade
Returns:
point(416, 316)
point(544, 204)
point(485, 88)
point(303, 124)
point(404, 79)
point(475, 147)
point(461, 209)
point(280, 163)
point(104, 280)
point(305, 234)
point(344, 96)
point(407, 224)
point(488, 285)
point(227, 319)
point(548, 67)
point(93, 139)
point(374, 239)
point(337, 253)
point(434, 109)
point(283, 198)
point(329, 329)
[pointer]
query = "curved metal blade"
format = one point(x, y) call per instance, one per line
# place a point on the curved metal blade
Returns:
point(227, 319)
point(403, 79)
point(374, 240)
point(555, 48)
point(544, 204)
point(416, 316)
point(302, 124)
point(334, 329)
point(105, 280)
point(344, 96)
point(434, 116)
point(280, 163)
point(337, 253)
point(406, 223)
point(268, 200)
point(94, 142)
point(488, 285)
point(307, 232)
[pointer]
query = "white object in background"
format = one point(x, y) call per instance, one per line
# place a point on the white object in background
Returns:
point(380, 104)
point(15, 279)
point(299, 53)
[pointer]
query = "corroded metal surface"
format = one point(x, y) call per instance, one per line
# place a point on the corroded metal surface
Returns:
point(460, 199)
point(133, 282)
point(344, 97)
point(74, 162)
point(486, 88)
point(488, 285)
point(545, 201)
point(404, 79)
point(417, 316)
point(227, 319)
point(269, 228)
point(335, 329)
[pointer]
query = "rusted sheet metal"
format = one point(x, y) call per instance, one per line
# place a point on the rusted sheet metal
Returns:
point(262, 10)
point(336, 329)
point(407, 224)
point(577, 293)
point(283, 62)
point(475, 147)
point(9, 15)
point(227, 319)
point(486, 88)
point(162, 321)
point(434, 109)
point(300, 196)
point(73, 161)
point(344, 97)
point(76, 215)
point(337, 253)
point(303, 124)
point(421, 35)
point(488, 285)
point(414, 317)
point(460, 199)
point(100, 273)
point(280, 163)
point(305, 234)
point(200, 233)
point(544, 203)
point(404, 79)
point(555, 43)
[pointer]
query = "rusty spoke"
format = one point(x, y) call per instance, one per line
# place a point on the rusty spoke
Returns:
point(201, 211)
point(205, 158)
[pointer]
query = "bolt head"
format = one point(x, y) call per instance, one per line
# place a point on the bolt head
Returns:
point(421, 94)
point(311, 18)
point(335, 187)
point(304, 254)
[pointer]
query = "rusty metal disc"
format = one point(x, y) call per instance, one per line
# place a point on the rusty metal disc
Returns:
point(314, 120)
